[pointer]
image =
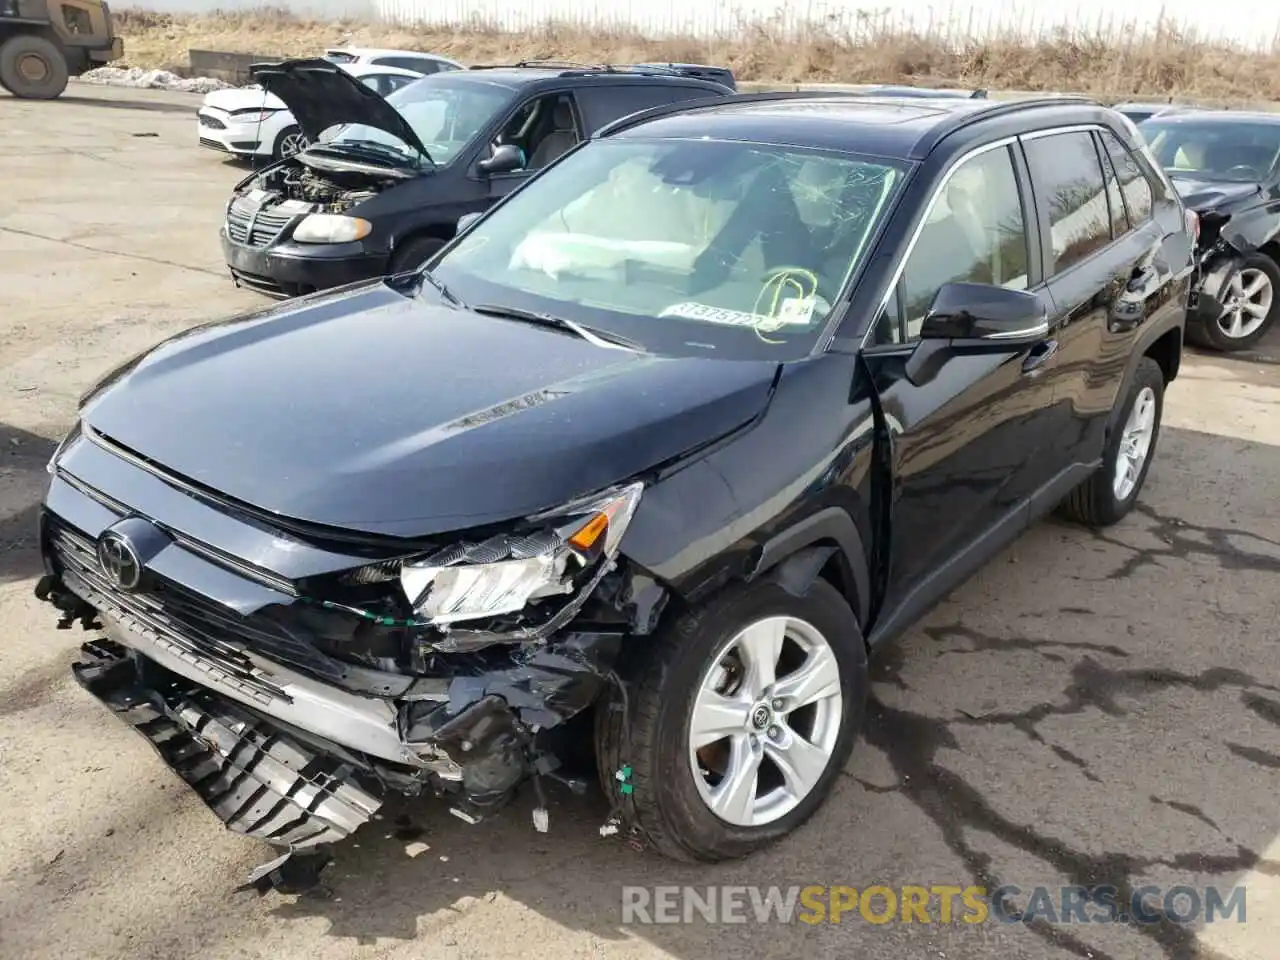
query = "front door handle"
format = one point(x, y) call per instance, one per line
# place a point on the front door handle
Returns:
point(1040, 355)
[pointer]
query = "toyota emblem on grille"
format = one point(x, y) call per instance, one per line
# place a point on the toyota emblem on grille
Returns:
point(119, 559)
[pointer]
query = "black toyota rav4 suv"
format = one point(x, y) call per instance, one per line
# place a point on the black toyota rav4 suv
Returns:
point(653, 456)
point(384, 181)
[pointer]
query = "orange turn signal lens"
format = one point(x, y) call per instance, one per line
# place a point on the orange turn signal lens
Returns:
point(590, 532)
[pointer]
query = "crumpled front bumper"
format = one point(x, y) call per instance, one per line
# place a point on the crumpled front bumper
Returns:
point(259, 779)
point(1216, 267)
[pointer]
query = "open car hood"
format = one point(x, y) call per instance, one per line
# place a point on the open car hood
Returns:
point(320, 95)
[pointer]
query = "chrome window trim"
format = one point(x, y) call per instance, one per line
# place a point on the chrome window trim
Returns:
point(1039, 330)
point(1054, 131)
point(896, 276)
point(1004, 142)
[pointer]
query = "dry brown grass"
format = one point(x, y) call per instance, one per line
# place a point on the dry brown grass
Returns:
point(1164, 62)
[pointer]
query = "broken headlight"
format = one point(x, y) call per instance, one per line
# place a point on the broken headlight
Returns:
point(504, 573)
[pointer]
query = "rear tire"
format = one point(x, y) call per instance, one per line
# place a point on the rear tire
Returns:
point(1110, 493)
point(1252, 289)
point(647, 735)
point(414, 253)
point(33, 67)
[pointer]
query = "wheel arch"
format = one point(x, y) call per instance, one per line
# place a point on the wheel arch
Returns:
point(1271, 249)
point(31, 29)
point(1166, 350)
point(437, 230)
point(826, 545)
point(433, 230)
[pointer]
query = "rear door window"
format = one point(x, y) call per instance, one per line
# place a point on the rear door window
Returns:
point(1066, 175)
point(418, 64)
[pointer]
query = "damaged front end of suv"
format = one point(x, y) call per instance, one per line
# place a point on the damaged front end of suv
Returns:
point(428, 673)
point(294, 674)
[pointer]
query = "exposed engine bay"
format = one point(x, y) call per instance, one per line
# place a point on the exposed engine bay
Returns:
point(333, 190)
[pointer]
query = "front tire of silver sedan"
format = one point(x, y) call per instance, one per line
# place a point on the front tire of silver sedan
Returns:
point(738, 717)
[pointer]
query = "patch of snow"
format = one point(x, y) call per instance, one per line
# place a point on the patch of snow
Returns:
point(138, 78)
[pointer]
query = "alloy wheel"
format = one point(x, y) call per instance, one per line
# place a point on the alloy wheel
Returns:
point(1135, 443)
point(1247, 303)
point(766, 718)
point(292, 143)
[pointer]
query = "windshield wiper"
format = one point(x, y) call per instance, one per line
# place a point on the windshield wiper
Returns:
point(371, 148)
point(600, 338)
point(443, 289)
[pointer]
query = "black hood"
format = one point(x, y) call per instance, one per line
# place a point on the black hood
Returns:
point(321, 94)
point(377, 412)
point(1205, 196)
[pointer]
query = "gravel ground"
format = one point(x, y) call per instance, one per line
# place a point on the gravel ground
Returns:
point(1092, 708)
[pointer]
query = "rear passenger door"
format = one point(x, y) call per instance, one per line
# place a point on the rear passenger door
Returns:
point(1101, 246)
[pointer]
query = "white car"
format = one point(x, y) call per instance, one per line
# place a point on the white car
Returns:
point(249, 122)
point(423, 63)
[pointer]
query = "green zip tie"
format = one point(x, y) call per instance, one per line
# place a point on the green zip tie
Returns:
point(624, 774)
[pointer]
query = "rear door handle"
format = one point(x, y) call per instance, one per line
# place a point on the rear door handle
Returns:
point(1040, 355)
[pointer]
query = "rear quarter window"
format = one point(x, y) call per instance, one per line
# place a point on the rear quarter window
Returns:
point(1134, 185)
point(604, 104)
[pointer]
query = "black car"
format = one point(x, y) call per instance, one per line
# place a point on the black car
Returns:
point(384, 182)
point(653, 456)
point(1226, 166)
point(1141, 112)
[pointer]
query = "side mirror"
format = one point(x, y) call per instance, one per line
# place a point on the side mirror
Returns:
point(504, 159)
point(969, 318)
point(466, 220)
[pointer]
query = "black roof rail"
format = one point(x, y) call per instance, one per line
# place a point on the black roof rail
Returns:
point(548, 64)
point(959, 120)
point(951, 122)
point(687, 106)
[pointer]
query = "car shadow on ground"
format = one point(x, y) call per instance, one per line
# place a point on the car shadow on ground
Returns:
point(23, 457)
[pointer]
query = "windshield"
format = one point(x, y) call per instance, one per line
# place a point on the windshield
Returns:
point(691, 246)
point(1214, 150)
point(444, 111)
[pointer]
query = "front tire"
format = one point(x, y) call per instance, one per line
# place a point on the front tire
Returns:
point(32, 67)
point(1110, 493)
point(737, 719)
point(290, 141)
point(1250, 309)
